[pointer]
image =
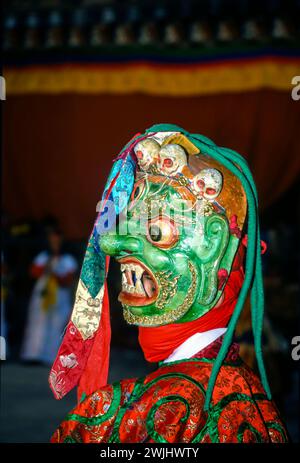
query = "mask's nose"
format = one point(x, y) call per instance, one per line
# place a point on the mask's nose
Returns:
point(116, 245)
point(109, 244)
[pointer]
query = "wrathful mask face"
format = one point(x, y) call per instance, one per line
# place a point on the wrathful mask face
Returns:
point(171, 246)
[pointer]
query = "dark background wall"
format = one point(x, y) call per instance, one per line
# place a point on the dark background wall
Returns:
point(58, 149)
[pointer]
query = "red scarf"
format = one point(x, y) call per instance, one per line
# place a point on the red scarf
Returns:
point(159, 342)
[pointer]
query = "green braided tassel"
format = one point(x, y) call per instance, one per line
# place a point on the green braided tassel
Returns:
point(253, 270)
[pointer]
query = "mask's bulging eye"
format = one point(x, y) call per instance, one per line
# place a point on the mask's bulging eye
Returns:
point(155, 233)
point(162, 232)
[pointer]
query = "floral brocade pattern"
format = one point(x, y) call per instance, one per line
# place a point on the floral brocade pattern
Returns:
point(166, 406)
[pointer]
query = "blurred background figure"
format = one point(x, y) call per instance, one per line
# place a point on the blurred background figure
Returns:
point(50, 302)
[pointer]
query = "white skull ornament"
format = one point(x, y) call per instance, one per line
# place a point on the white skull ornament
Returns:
point(172, 159)
point(146, 152)
point(208, 183)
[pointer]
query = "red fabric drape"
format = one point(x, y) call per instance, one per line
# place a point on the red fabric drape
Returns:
point(96, 370)
point(58, 150)
point(159, 342)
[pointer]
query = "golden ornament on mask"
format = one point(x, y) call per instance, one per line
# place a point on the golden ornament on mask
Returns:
point(182, 180)
point(168, 288)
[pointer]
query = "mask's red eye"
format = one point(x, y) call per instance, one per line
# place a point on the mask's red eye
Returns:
point(168, 162)
point(162, 232)
point(139, 154)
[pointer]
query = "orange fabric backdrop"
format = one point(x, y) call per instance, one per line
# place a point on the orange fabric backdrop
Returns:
point(58, 149)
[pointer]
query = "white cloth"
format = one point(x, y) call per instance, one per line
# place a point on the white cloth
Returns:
point(160, 136)
point(194, 344)
point(44, 328)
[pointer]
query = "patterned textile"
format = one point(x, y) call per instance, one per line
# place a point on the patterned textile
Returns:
point(166, 406)
point(87, 336)
point(158, 72)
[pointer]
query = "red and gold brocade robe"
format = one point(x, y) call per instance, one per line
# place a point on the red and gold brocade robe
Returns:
point(166, 406)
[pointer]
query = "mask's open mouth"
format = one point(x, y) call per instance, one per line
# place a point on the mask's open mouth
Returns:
point(139, 286)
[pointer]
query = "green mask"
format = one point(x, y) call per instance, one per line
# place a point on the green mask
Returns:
point(174, 240)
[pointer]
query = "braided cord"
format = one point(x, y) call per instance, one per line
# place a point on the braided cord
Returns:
point(257, 293)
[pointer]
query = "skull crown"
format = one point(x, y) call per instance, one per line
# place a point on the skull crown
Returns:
point(171, 160)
